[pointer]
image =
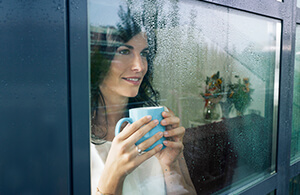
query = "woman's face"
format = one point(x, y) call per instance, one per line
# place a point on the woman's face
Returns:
point(127, 68)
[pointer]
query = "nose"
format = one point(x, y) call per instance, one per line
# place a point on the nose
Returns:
point(138, 64)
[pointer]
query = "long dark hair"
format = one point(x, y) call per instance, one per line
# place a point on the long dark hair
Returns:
point(103, 49)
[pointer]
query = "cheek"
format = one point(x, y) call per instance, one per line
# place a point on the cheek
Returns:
point(116, 69)
point(146, 68)
point(112, 74)
point(116, 64)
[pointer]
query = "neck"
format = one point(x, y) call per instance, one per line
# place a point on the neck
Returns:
point(115, 106)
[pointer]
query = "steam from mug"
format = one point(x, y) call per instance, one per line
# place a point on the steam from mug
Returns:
point(138, 113)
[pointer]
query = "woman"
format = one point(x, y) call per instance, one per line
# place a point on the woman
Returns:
point(121, 75)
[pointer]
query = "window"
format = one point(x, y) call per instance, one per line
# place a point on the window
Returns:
point(218, 74)
point(295, 146)
point(217, 69)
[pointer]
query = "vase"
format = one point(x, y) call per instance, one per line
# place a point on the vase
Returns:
point(212, 111)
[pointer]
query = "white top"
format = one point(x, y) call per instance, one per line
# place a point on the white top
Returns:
point(147, 179)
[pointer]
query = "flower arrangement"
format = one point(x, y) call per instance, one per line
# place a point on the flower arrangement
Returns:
point(213, 94)
point(214, 87)
point(239, 94)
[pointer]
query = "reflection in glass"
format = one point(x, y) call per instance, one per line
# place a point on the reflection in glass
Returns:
point(218, 70)
point(295, 145)
point(294, 185)
point(244, 49)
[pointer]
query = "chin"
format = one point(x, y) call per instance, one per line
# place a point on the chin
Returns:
point(131, 94)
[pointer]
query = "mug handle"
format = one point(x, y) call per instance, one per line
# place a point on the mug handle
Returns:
point(119, 124)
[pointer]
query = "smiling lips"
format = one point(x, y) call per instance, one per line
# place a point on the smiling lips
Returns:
point(133, 80)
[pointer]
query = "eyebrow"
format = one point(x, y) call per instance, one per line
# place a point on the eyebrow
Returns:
point(131, 47)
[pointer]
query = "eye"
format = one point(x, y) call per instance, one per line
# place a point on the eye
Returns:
point(124, 51)
point(145, 53)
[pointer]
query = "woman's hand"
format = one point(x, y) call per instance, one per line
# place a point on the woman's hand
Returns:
point(124, 157)
point(174, 134)
point(176, 174)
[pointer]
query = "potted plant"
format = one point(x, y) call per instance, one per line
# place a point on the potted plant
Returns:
point(239, 95)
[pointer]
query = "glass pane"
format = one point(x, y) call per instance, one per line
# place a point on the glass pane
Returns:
point(216, 68)
point(272, 193)
point(295, 185)
point(295, 145)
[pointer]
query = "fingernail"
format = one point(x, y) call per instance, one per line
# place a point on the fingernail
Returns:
point(160, 146)
point(163, 122)
point(166, 133)
point(149, 117)
point(156, 121)
point(161, 134)
point(165, 142)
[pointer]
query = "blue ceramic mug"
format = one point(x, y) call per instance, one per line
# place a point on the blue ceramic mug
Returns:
point(138, 113)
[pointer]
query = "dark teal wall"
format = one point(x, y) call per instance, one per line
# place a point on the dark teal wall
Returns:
point(34, 92)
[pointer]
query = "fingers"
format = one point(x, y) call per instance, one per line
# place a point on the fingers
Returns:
point(149, 142)
point(136, 158)
point(142, 131)
point(173, 130)
point(170, 119)
point(174, 145)
point(134, 132)
point(132, 128)
point(149, 154)
point(175, 133)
